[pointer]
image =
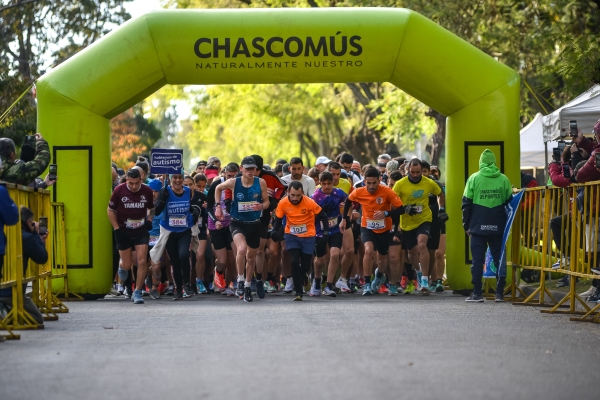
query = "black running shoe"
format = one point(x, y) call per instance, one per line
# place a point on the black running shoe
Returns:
point(188, 291)
point(248, 295)
point(260, 289)
point(178, 295)
point(240, 289)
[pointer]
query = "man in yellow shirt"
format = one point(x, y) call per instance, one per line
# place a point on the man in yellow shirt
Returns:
point(414, 189)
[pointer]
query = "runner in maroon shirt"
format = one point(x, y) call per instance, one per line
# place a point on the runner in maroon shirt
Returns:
point(130, 212)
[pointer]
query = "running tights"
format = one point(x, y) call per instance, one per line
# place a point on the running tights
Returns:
point(300, 267)
point(178, 248)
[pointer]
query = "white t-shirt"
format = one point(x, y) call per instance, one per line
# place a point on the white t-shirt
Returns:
point(308, 183)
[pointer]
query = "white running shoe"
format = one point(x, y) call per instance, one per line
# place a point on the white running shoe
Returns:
point(328, 292)
point(564, 263)
point(314, 292)
point(589, 292)
point(342, 285)
point(289, 286)
point(228, 292)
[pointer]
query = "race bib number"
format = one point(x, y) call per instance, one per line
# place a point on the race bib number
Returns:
point(134, 223)
point(246, 206)
point(298, 229)
point(178, 221)
point(333, 222)
point(375, 223)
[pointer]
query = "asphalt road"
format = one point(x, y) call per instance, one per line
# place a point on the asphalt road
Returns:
point(349, 347)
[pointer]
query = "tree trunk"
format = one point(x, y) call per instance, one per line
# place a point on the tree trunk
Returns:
point(439, 137)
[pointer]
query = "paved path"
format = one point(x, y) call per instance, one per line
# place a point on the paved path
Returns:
point(349, 347)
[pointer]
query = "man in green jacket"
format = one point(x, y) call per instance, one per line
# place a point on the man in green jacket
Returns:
point(486, 195)
point(16, 171)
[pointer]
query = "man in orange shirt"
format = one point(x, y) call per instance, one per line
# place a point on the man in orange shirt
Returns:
point(300, 212)
point(376, 201)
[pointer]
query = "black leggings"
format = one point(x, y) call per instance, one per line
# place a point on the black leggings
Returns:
point(300, 267)
point(178, 248)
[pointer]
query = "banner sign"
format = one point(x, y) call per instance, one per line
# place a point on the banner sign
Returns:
point(166, 161)
point(511, 211)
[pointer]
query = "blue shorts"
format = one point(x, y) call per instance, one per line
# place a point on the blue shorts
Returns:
point(305, 244)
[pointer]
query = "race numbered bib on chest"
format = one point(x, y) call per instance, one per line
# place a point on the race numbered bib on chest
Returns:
point(178, 221)
point(246, 206)
point(298, 229)
point(134, 223)
point(333, 222)
point(375, 223)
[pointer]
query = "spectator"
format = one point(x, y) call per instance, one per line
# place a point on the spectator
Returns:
point(555, 170)
point(9, 215)
point(484, 217)
point(34, 248)
point(23, 173)
point(589, 172)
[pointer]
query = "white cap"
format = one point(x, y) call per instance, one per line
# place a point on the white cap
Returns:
point(322, 160)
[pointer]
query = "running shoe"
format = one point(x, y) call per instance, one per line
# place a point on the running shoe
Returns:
point(289, 286)
point(353, 287)
point(361, 281)
point(200, 287)
point(588, 292)
point(188, 291)
point(419, 278)
point(220, 279)
point(154, 293)
point(178, 295)
point(120, 289)
point(342, 284)
point(115, 292)
point(367, 289)
point(314, 291)
point(137, 297)
point(382, 290)
point(260, 289)
point(417, 284)
point(170, 290)
point(253, 285)
point(145, 291)
point(248, 295)
point(229, 292)
point(432, 286)
point(127, 292)
point(240, 289)
point(595, 270)
point(161, 288)
point(329, 292)
point(594, 297)
point(270, 287)
point(499, 298)
point(410, 288)
point(404, 282)
point(425, 290)
point(474, 299)
point(298, 298)
point(562, 263)
point(393, 290)
point(376, 283)
point(439, 286)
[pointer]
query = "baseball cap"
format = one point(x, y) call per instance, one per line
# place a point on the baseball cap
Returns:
point(155, 184)
point(202, 163)
point(286, 169)
point(249, 162)
point(258, 160)
point(322, 160)
point(211, 172)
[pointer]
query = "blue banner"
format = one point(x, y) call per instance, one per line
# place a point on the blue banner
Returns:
point(166, 161)
point(511, 210)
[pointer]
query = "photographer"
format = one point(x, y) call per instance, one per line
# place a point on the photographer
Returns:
point(589, 172)
point(556, 169)
point(17, 171)
point(34, 248)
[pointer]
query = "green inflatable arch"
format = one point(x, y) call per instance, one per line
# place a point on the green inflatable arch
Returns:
point(77, 99)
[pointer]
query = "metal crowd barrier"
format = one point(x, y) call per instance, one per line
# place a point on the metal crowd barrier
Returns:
point(559, 225)
point(40, 275)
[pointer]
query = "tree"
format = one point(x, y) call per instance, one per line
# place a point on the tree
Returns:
point(31, 36)
point(131, 135)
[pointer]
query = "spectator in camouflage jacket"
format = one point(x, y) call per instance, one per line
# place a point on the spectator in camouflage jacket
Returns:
point(16, 171)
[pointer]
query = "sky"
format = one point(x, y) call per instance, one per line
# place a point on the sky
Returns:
point(139, 7)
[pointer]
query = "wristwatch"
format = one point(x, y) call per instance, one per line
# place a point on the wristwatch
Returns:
point(386, 213)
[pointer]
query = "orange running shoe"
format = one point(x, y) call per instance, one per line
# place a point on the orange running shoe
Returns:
point(404, 282)
point(383, 290)
point(161, 288)
point(220, 280)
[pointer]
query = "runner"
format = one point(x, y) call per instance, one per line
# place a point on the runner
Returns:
point(414, 190)
point(220, 235)
point(130, 212)
point(376, 201)
point(300, 212)
point(296, 174)
point(329, 199)
point(249, 199)
point(178, 218)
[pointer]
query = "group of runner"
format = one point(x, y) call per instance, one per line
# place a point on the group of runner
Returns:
point(375, 229)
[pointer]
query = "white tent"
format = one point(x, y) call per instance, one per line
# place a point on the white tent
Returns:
point(532, 144)
point(585, 109)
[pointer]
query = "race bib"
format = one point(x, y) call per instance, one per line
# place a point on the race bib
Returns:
point(246, 206)
point(134, 223)
point(375, 223)
point(298, 229)
point(333, 222)
point(178, 221)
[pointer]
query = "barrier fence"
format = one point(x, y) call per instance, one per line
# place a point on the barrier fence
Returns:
point(558, 225)
point(40, 275)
